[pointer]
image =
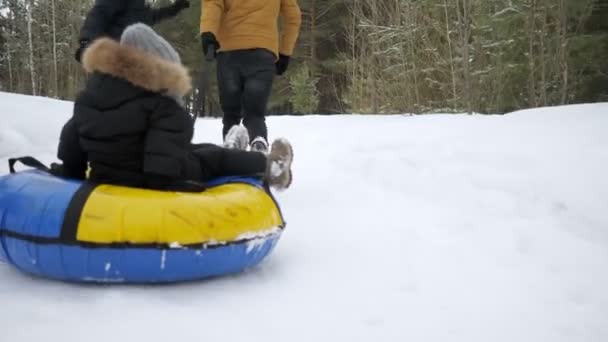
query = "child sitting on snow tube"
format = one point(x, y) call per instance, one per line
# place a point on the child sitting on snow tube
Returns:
point(130, 125)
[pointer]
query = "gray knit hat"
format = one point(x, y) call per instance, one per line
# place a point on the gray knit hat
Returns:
point(142, 37)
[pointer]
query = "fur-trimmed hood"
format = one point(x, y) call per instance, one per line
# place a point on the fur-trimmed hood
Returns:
point(139, 68)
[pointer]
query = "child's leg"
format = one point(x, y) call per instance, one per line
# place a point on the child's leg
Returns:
point(218, 162)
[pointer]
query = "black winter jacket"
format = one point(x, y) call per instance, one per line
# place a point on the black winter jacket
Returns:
point(110, 17)
point(123, 125)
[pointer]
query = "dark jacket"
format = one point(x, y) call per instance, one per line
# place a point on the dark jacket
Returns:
point(110, 17)
point(125, 125)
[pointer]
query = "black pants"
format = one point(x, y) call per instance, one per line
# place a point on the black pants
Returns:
point(245, 81)
point(217, 161)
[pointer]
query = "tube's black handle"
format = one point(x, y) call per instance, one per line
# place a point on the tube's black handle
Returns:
point(27, 161)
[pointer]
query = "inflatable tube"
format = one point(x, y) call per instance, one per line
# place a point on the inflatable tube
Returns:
point(75, 231)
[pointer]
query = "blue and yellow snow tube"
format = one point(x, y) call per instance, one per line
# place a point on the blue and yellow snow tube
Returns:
point(75, 231)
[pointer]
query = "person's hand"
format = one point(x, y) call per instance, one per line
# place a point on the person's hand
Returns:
point(57, 170)
point(208, 40)
point(82, 46)
point(181, 4)
point(282, 64)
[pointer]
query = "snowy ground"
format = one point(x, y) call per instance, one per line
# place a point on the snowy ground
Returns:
point(428, 228)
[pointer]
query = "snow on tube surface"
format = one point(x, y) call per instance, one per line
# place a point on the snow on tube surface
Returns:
point(76, 231)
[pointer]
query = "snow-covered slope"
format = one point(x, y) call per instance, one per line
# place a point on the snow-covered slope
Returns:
point(421, 228)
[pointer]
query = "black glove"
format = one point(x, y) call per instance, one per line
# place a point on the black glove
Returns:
point(82, 46)
point(181, 4)
point(57, 170)
point(282, 64)
point(208, 39)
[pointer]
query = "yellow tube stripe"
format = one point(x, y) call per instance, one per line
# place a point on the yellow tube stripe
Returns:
point(115, 214)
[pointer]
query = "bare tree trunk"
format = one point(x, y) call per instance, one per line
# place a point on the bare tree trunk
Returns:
point(9, 58)
point(55, 73)
point(563, 51)
point(313, 29)
point(451, 55)
point(411, 16)
point(10, 69)
point(465, 34)
point(31, 46)
point(372, 63)
point(543, 62)
point(532, 101)
point(354, 93)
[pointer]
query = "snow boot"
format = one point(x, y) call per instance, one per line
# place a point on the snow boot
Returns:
point(259, 144)
point(278, 168)
point(237, 138)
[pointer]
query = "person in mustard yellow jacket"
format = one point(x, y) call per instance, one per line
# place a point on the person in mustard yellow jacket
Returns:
point(250, 50)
